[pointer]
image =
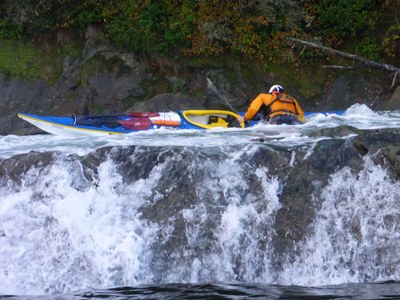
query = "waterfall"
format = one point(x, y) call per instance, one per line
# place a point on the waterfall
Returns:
point(256, 212)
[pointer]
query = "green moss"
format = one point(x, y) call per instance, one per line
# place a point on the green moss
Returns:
point(98, 108)
point(205, 62)
point(20, 59)
point(73, 49)
point(99, 64)
point(156, 87)
point(23, 59)
point(88, 70)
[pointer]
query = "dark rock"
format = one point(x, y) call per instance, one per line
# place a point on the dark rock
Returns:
point(21, 96)
point(102, 85)
point(383, 146)
point(360, 85)
point(393, 103)
point(71, 72)
point(169, 102)
point(95, 33)
point(16, 167)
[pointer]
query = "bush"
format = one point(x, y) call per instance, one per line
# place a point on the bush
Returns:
point(150, 26)
point(344, 19)
point(370, 49)
point(9, 30)
point(391, 42)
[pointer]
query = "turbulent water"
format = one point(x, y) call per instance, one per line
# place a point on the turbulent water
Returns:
point(99, 217)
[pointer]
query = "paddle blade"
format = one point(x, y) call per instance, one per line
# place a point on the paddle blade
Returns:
point(136, 123)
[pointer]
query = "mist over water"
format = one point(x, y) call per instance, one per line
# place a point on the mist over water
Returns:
point(68, 228)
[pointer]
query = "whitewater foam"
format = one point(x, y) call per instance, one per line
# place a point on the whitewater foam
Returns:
point(61, 231)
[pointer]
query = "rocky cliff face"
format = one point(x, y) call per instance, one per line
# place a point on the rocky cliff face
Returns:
point(105, 80)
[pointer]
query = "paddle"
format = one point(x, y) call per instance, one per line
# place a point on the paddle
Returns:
point(215, 90)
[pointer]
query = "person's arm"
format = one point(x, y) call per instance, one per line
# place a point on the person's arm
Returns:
point(299, 110)
point(253, 108)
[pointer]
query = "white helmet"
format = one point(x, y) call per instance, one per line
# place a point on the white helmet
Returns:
point(277, 88)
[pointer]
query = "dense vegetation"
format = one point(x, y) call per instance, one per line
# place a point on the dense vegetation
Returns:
point(251, 28)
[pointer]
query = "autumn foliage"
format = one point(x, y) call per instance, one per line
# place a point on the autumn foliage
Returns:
point(256, 29)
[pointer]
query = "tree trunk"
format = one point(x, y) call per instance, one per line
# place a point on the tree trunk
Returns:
point(360, 59)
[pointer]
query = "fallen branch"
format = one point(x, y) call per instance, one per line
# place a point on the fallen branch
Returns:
point(360, 59)
point(339, 67)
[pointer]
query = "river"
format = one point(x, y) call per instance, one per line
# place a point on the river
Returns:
point(270, 212)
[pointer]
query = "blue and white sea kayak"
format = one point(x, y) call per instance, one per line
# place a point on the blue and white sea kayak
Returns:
point(77, 126)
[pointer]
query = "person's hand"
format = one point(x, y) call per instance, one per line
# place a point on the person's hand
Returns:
point(241, 119)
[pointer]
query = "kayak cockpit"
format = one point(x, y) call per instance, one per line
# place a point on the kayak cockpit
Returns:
point(208, 119)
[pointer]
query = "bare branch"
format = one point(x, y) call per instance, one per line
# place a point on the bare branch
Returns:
point(338, 67)
point(394, 80)
point(304, 48)
point(360, 59)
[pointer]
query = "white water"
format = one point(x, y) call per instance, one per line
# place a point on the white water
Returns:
point(356, 234)
point(55, 238)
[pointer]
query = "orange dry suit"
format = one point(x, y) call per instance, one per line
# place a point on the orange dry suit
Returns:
point(273, 105)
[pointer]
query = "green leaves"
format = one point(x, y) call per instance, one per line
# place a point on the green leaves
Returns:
point(150, 26)
point(254, 29)
point(9, 30)
point(346, 18)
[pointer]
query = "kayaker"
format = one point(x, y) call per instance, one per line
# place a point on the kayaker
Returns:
point(276, 107)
